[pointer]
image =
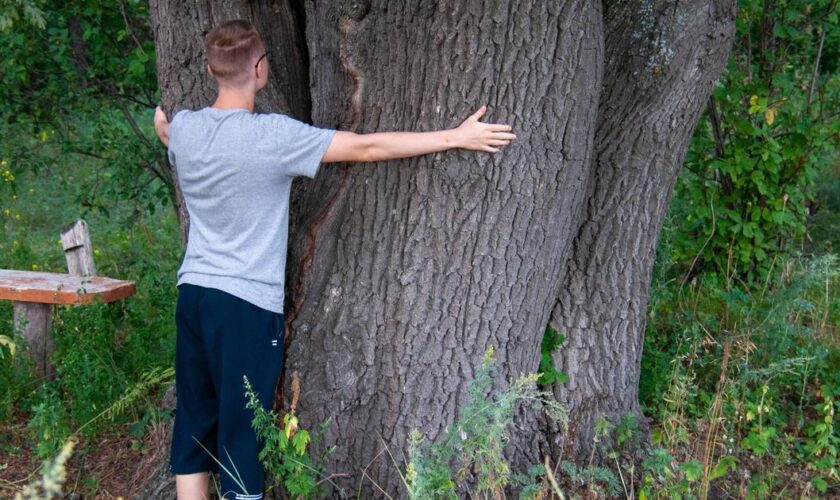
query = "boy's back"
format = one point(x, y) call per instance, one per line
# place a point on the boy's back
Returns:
point(235, 169)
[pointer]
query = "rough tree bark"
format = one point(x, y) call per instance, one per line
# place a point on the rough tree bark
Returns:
point(401, 274)
point(410, 270)
point(662, 60)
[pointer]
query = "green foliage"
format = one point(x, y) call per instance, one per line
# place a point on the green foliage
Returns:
point(823, 442)
point(473, 445)
point(75, 56)
point(548, 372)
point(530, 483)
point(744, 193)
point(111, 359)
point(599, 481)
point(49, 423)
point(284, 453)
point(626, 430)
point(156, 377)
point(82, 88)
point(664, 477)
point(15, 375)
point(20, 12)
point(775, 401)
point(760, 180)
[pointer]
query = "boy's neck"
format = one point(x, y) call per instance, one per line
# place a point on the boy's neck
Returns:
point(235, 99)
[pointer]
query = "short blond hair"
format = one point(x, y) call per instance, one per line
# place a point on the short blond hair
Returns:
point(231, 47)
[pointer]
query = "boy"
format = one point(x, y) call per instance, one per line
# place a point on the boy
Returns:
point(235, 169)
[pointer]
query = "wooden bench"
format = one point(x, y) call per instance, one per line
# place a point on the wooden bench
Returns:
point(33, 293)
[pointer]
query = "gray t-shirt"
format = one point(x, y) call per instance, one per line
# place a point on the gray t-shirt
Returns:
point(235, 169)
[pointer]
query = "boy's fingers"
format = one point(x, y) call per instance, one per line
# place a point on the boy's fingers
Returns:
point(504, 135)
point(498, 142)
point(478, 114)
point(500, 127)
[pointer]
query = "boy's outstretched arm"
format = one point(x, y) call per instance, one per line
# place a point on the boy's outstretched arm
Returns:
point(379, 146)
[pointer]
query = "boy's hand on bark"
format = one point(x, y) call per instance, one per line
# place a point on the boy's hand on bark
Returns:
point(162, 126)
point(478, 136)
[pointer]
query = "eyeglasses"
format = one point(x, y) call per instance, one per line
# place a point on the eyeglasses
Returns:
point(260, 59)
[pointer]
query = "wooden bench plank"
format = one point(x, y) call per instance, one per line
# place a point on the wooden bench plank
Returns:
point(55, 288)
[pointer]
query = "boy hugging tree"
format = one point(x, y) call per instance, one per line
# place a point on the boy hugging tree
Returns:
point(235, 169)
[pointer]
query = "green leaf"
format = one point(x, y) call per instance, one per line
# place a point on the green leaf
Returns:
point(820, 484)
point(724, 466)
point(693, 470)
point(300, 440)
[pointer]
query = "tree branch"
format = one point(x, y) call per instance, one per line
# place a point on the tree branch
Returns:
point(816, 71)
point(135, 127)
point(716, 129)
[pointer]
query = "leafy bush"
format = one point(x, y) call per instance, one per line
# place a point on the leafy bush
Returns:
point(748, 180)
point(284, 453)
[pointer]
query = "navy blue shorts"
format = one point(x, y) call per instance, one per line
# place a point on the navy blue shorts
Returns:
point(220, 339)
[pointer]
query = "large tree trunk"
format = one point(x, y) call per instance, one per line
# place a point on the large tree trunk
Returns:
point(662, 60)
point(410, 269)
point(401, 274)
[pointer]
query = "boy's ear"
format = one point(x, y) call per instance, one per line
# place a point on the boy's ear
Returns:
point(210, 71)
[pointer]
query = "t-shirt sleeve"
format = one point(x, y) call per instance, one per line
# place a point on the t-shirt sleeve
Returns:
point(301, 146)
point(173, 127)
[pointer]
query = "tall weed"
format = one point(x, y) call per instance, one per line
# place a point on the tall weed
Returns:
point(753, 375)
point(469, 455)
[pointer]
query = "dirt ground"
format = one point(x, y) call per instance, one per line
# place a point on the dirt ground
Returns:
point(115, 465)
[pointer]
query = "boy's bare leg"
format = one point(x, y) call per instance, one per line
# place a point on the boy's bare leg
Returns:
point(193, 486)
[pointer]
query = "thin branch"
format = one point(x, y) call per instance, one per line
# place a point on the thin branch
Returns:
point(716, 129)
point(145, 104)
point(90, 154)
point(128, 28)
point(134, 126)
point(816, 71)
point(157, 173)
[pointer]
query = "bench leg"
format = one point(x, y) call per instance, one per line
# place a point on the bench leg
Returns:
point(33, 321)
